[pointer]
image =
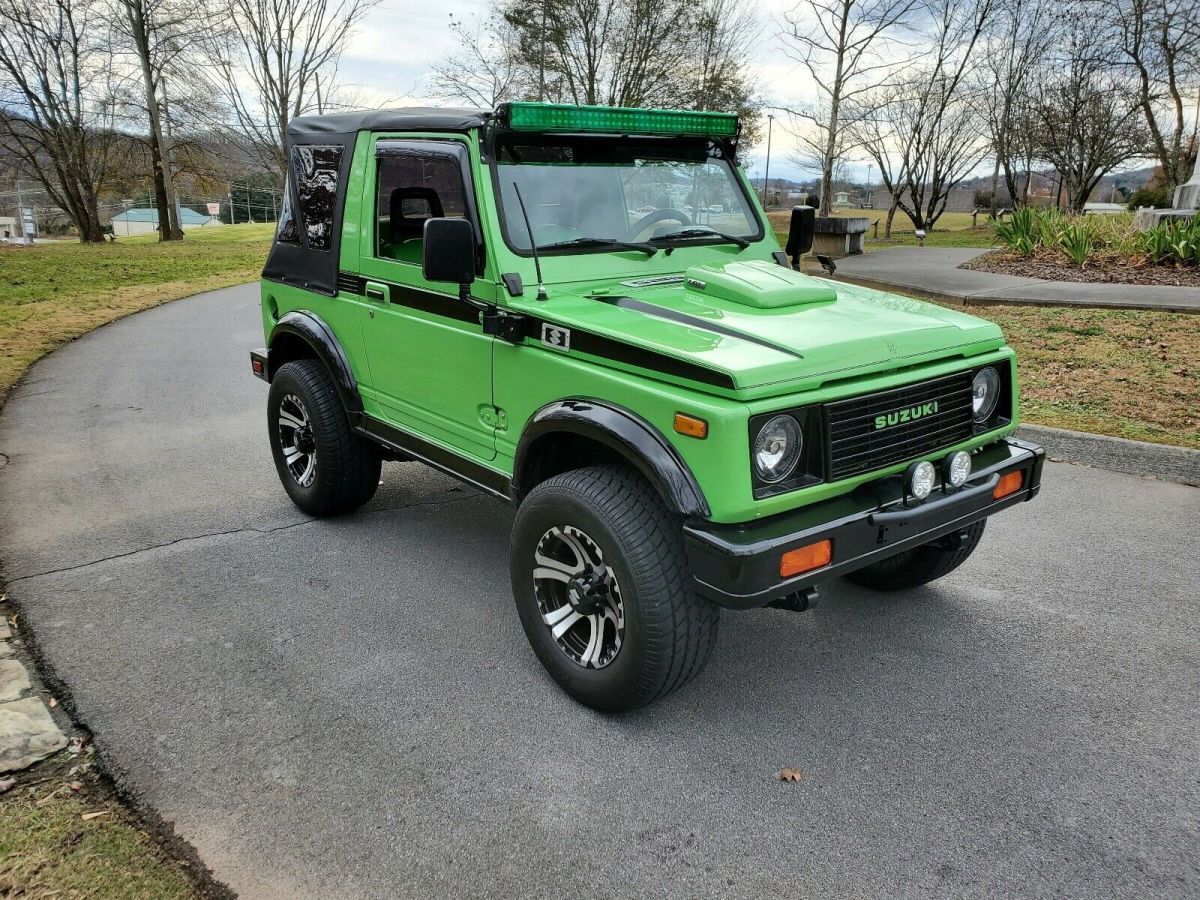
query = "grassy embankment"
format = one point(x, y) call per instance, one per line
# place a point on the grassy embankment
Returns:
point(51, 293)
point(49, 849)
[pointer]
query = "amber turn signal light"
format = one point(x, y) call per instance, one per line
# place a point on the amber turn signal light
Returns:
point(1008, 484)
point(691, 426)
point(806, 558)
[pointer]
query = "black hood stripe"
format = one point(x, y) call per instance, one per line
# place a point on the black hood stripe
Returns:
point(583, 341)
point(661, 312)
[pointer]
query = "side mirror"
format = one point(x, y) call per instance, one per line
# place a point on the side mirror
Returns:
point(449, 252)
point(800, 233)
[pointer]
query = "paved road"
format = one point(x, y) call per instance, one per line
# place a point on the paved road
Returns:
point(348, 708)
point(936, 270)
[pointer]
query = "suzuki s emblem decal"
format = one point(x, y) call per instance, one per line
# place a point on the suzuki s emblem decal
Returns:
point(908, 414)
point(556, 338)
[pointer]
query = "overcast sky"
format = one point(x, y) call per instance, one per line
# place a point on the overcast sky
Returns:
point(398, 43)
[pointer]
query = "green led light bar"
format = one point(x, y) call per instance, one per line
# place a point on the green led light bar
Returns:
point(616, 120)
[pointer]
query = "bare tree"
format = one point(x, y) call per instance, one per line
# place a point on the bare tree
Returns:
point(1159, 42)
point(923, 131)
point(1012, 60)
point(677, 53)
point(846, 46)
point(484, 70)
point(634, 52)
point(55, 114)
point(1087, 122)
point(162, 36)
point(718, 74)
point(279, 60)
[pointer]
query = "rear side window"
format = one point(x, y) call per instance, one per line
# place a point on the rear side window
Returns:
point(315, 168)
point(286, 231)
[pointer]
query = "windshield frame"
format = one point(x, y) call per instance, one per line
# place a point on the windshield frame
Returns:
point(717, 150)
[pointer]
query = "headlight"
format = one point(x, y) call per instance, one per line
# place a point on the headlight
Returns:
point(985, 392)
point(777, 449)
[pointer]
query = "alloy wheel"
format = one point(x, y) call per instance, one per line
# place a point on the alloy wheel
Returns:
point(296, 440)
point(578, 597)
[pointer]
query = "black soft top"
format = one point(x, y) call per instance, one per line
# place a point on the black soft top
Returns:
point(319, 152)
point(417, 118)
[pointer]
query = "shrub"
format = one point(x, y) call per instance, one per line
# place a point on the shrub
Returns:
point(1075, 241)
point(1021, 232)
point(1079, 238)
point(1155, 197)
point(1173, 242)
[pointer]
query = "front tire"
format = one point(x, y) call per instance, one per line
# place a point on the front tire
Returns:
point(920, 565)
point(325, 467)
point(600, 579)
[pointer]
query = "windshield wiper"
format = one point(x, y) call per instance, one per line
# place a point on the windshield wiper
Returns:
point(599, 242)
point(703, 232)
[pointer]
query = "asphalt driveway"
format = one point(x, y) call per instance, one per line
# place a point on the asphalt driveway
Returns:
point(349, 708)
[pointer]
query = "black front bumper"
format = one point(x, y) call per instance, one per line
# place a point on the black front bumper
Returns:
point(738, 565)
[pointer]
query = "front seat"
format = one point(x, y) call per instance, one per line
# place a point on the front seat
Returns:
point(409, 207)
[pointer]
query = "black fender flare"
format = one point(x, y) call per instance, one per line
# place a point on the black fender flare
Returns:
point(310, 329)
point(631, 436)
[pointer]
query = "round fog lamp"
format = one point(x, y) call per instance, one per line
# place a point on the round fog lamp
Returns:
point(921, 477)
point(957, 468)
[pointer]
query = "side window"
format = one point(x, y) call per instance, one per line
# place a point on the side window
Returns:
point(411, 187)
point(286, 232)
point(315, 168)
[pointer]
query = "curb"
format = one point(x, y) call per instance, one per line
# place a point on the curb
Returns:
point(1160, 461)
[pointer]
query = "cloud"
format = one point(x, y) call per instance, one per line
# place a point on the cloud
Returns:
point(394, 49)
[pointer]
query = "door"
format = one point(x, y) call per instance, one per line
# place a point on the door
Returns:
point(430, 363)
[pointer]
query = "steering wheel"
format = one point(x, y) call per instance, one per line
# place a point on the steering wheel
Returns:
point(659, 215)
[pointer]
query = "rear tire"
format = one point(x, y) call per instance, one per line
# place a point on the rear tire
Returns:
point(600, 579)
point(918, 566)
point(325, 467)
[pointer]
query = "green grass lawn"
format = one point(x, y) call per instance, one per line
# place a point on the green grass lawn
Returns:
point(1126, 373)
point(48, 849)
point(55, 292)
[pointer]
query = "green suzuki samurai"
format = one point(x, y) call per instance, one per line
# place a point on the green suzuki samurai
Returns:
point(584, 311)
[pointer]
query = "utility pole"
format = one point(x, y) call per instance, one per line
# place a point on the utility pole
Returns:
point(767, 167)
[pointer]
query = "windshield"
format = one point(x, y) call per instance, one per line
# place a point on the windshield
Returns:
point(624, 189)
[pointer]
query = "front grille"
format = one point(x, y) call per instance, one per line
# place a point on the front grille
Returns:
point(857, 445)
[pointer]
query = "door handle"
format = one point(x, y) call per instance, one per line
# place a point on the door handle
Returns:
point(376, 291)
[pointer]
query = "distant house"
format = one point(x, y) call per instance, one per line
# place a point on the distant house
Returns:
point(145, 221)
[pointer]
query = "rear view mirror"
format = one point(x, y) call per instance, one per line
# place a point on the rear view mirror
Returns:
point(449, 251)
point(800, 233)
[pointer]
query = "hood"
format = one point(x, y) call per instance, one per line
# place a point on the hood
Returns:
point(768, 326)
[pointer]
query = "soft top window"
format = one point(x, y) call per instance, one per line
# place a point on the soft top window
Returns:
point(315, 168)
